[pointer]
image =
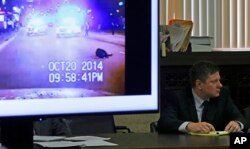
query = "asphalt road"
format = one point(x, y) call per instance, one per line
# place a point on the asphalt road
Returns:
point(46, 61)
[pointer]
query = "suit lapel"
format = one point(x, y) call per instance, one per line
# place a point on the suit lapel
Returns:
point(211, 111)
point(192, 110)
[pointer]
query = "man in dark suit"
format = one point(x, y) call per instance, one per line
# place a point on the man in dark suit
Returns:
point(203, 107)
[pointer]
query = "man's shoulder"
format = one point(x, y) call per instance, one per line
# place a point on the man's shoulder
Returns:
point(185, 89)
point(180, 92)
point(177, 91)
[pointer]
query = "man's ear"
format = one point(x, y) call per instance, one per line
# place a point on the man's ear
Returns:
point(198, 84)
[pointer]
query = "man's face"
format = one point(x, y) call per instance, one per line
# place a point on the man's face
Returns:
point(211, 87)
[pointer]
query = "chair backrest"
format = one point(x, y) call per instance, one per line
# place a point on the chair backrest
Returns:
point(246, 113)
point(153, 126)
point(51, 127)
point(83, 125)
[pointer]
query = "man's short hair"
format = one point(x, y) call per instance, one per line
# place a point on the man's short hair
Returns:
point(201, 70)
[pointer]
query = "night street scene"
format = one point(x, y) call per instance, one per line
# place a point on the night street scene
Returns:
point(61, 48)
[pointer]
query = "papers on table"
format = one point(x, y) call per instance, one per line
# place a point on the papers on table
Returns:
point(81, 138)
point(48, 138)
point(98, 143)
point(213, 133)
point(80, 141)
point(60, 144)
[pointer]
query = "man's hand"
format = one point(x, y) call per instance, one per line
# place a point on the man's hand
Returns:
point(200, 127)
point(232, 126)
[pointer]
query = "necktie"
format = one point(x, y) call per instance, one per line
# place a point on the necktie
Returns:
point(204, 112)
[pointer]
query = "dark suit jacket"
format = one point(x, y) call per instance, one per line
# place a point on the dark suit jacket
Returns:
point(180, 107)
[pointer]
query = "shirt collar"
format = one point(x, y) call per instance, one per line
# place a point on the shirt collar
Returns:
point(198, 101)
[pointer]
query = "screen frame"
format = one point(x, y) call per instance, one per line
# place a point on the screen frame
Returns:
point(136, 90)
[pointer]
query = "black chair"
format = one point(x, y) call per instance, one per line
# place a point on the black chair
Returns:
point(51, 127)
point(93, 124)
point(153, 126)
point(246, 113)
